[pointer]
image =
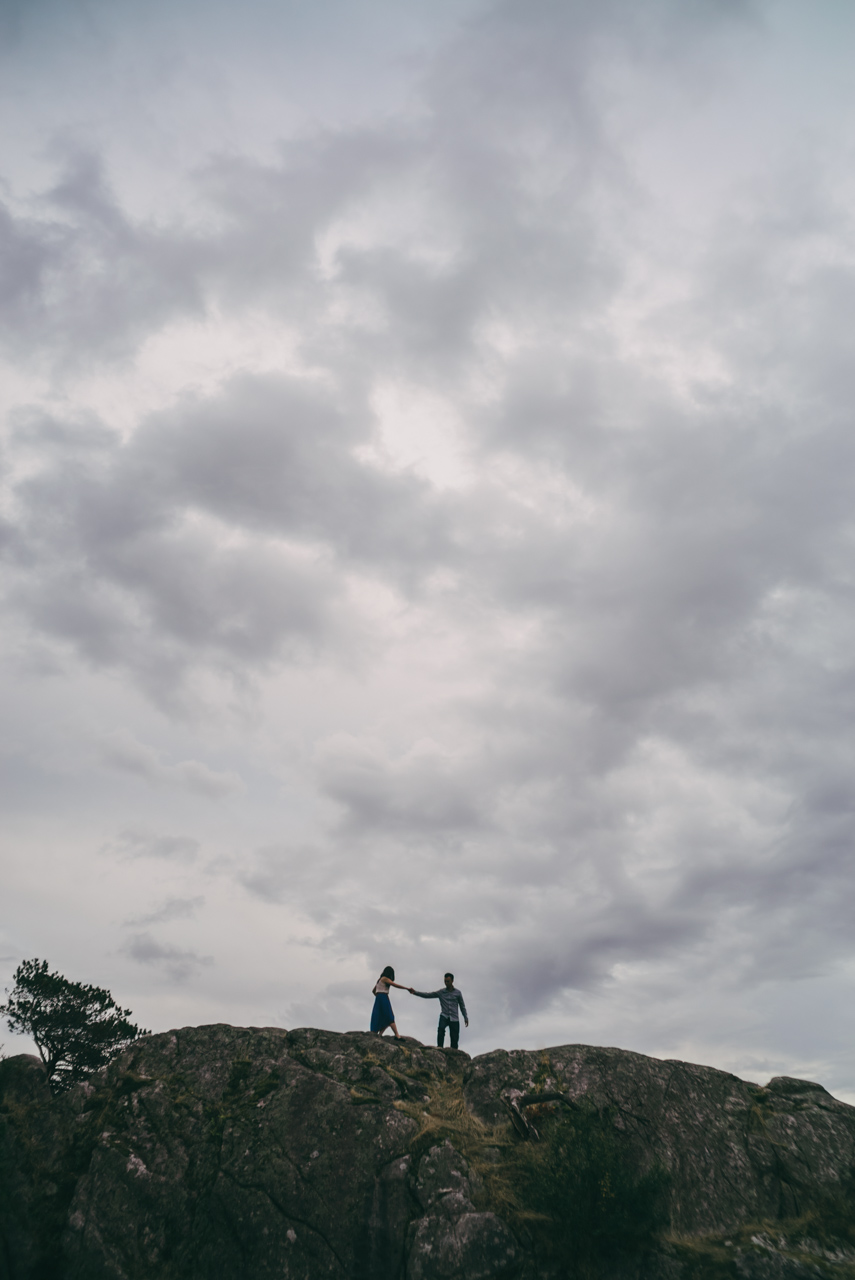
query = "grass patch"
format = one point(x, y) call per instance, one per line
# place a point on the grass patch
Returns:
point(821, 1238)
point(722, 1258)
point(447, 1116)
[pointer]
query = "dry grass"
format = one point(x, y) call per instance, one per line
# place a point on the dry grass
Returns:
point(486, 1148)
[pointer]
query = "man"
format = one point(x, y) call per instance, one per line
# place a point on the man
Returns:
point(450, 1000)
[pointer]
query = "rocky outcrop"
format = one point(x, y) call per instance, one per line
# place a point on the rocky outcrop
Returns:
point(217, 1152)
point(37, 1171)
point(736, 1152)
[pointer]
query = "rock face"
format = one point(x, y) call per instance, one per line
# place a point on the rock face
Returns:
point(736, 1152)
point(214, 1153)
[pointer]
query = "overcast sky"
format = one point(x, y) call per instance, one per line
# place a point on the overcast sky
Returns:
point(427, 513)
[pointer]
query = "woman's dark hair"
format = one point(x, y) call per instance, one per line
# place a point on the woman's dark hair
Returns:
point(388, 972)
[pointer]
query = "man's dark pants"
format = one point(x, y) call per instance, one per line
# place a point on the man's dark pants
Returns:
point(453, 1031)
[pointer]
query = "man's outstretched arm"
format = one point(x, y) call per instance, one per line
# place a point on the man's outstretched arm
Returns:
point(429, 995)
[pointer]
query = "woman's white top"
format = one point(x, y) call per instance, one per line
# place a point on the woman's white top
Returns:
point(381, 988)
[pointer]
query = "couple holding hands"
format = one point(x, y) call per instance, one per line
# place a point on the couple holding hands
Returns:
point(450, 1001)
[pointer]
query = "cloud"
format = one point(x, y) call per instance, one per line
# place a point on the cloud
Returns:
point(171, 909)
point(219, 536)
point(428, 792)
point(277, 873)
point(83, 280)
point(140, 843)
point(177, 965)
point(122, 751)
point(482, 468)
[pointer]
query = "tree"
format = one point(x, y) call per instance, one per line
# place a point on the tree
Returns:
point(77, 1027)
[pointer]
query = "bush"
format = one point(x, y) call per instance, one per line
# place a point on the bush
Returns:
point(828, 1215)
point(585, 1200)
point(77, 1027)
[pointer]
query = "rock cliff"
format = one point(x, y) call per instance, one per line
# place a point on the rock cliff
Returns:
point(214, 1153)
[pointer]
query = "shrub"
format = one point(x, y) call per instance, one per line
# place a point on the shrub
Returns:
point(584, 1198)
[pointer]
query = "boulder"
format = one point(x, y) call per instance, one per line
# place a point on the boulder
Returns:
point(38, 1170)
point(213, 1153)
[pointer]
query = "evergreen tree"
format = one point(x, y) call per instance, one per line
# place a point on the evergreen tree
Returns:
point(77, 1027)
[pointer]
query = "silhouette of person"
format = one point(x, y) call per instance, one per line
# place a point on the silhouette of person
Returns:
point(450, 1001)
point(382, 1015)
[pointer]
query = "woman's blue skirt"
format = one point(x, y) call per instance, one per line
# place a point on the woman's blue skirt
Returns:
point(381, 1015)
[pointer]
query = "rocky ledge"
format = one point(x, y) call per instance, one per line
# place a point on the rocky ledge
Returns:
point(213, 1153)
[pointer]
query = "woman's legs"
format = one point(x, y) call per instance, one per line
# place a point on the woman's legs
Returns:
point(394, 1028)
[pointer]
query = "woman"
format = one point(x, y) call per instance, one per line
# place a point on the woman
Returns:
point(382, 1015)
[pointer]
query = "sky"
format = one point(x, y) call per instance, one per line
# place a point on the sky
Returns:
point(427, 517)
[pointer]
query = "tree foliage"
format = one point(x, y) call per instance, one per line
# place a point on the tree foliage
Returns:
point(77, 1027)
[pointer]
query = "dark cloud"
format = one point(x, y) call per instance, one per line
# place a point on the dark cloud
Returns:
point(122, 751)
point(176, 964)
point(276, 455)
point(171, 909)
point(276, 873)
point(146, 587)
point(427, 793)
point(82, 280)
point(213, 533)
point(142, 843)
